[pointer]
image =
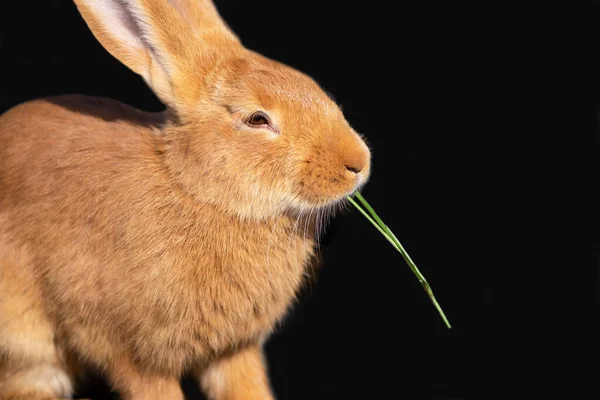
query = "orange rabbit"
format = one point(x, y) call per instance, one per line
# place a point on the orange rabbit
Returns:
point(151, 245)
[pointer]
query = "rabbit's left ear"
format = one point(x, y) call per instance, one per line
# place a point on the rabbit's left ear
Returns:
point(170, 43)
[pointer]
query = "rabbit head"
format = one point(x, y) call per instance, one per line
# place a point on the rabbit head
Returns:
point(245, 133)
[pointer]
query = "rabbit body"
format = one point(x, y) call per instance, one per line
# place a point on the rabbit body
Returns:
point(121, 256)
point(150, 245)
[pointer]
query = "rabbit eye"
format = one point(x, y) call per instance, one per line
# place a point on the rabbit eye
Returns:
point(258, 119)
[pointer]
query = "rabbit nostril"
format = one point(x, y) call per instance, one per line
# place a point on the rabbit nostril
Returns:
point(353, 169)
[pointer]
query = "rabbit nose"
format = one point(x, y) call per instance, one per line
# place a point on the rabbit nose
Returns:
point(356, 161)
point(353, 155)
point(354, 168)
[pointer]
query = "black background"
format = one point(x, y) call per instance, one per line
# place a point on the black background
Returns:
point(366, 329)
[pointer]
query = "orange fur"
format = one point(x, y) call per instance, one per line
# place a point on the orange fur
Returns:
point(149, 245)
point(243, 372)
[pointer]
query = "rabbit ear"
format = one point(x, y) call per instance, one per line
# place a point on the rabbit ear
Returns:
point(204, 20)
point(167, 42)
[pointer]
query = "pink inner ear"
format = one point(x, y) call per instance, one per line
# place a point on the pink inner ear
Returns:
point(118, 21)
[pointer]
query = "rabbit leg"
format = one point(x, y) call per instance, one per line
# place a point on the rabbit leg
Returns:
point(31, 366)
point(239, 376)
point(41, 382)
point(132, 385)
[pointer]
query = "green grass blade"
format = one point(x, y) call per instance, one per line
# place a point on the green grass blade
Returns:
point(384, 233)
point(389, 235)
point(389, 232)
point(382, 224)
point(370, 209)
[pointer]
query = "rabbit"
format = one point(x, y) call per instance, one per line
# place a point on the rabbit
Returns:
point(148, 246)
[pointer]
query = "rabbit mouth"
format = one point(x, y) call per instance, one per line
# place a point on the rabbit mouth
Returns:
point(329, 192)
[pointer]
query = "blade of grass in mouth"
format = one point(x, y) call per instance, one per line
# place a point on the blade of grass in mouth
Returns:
point(389, 235)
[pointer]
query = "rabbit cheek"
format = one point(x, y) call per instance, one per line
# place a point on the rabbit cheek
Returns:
point(324, 179)
point(316, 185)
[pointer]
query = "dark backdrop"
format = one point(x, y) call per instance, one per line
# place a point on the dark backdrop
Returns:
point(366, 329)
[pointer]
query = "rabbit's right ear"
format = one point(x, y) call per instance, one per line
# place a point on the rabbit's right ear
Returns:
point(167, 42)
